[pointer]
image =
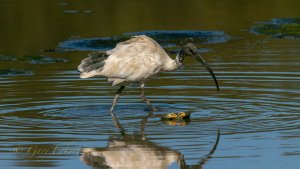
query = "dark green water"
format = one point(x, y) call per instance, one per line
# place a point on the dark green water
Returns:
point(50, 118)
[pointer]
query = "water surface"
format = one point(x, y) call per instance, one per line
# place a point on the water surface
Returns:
point(50, 118)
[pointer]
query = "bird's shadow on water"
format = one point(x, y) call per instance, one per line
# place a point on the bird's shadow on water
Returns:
point(135, 150)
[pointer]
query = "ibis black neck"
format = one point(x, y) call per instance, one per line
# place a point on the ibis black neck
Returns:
point(180, 56)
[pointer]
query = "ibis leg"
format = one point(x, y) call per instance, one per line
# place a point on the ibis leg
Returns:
point(144, 99)
point(119, 91)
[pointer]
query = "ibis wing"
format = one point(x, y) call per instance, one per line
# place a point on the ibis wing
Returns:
point(134, 60)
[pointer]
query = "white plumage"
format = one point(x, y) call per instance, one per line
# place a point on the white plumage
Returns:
point(136, 60)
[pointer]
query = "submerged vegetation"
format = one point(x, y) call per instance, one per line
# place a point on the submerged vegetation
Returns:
point(279, 28)
point(32, 59)
point(15, 72)
point(165, 38)
point(27, 59)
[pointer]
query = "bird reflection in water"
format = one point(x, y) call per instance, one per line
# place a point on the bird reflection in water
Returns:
point(135, 151)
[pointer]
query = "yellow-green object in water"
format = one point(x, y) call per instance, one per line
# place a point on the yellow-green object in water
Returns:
point(180, 119)
point(183, 115)
point(176, 123)
point(180, 115)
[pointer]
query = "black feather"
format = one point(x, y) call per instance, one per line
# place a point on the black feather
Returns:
point(93, 62)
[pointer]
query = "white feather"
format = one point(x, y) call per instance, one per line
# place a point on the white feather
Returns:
point(134, 60)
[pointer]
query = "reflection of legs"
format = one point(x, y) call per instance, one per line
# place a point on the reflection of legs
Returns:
point(144, 99)
point(119, 91)
point(117, 124)
point(143, 124)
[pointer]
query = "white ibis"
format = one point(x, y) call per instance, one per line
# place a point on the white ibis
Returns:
point(135, 61)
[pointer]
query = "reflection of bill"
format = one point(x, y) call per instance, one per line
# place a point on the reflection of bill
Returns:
point(135, 151)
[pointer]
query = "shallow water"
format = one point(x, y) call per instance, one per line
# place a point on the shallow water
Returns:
point(279, 28)
point(49, 118)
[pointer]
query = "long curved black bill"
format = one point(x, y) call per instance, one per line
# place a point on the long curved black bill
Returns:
point(201, 60)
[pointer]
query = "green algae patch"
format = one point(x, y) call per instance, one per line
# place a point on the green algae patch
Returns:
point(15, 72)
point(32, 59)
point(167, 39)
point(279, 28)
point(41, 59)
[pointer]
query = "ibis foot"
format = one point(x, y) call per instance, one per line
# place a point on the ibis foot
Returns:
point(115, 121)
point(144, 99)
point(153, 109)
point(114, 102)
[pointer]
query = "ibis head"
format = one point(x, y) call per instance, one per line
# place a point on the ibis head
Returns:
point(190, 49)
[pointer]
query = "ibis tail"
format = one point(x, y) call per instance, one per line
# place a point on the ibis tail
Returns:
point(92, 65)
